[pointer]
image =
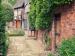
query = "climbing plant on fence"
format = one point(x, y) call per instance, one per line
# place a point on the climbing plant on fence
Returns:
point(5, 15)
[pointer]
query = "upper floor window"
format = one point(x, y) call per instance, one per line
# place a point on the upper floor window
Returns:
point(19, 11)
point(15, 17)
point(19, 17)
point(15, 12)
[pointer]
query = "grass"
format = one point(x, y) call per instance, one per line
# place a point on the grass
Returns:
point(17, 32)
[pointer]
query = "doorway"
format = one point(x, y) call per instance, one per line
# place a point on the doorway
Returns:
point(57, 28)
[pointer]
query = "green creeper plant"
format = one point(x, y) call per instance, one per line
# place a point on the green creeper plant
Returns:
point(32, 14)
point(41, 11)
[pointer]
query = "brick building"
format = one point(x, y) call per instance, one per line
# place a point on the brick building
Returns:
point(63, 25)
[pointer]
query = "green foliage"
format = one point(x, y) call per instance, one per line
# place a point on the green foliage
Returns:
point(32, 14)
point(50, 54)
point(7, 12)
point(41, 12)
point(12, 2)
point(43, 20)
point(47, 40)
point(5, 15)
point(67, 47)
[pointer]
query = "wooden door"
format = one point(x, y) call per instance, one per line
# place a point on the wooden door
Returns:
point(18, 24)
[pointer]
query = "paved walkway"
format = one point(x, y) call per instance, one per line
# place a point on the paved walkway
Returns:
point(22, 46)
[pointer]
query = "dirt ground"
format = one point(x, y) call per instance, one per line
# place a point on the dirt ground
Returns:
point(25, 46)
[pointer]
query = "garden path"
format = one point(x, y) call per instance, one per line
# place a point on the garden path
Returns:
point(23, 46)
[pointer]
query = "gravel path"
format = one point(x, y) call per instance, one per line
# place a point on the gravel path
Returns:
point(21, 46)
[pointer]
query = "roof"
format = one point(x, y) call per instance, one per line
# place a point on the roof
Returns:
point(20, 3)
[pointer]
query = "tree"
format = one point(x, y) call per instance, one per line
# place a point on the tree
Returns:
point(6, 14)
point(12, 2)
point(32, 14)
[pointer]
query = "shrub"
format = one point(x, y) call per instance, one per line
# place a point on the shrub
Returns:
point(17, 32)
point(4, 45)
point(46, 40)
point(50, 54)
point(6, 14)
point(67, 47)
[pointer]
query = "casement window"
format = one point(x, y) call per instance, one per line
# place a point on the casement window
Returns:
point(19, 17)
point(15, 13)
point(15, 17)
point(19, 11)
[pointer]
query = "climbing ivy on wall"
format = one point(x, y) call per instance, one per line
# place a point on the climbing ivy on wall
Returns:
point(32, 14)
point(40, 15)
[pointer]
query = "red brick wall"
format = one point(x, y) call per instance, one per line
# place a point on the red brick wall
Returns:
point(67, 24)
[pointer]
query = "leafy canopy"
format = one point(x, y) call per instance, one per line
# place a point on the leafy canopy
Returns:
point(7, 11)
point(40, 15)
point(6, 14)
point(12, 2)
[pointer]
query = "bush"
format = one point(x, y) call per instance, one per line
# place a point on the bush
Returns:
point(5, 15)
point(46, 40)
point(67, 47)
point(4, 45)
point(50, 54)
point(17, 32)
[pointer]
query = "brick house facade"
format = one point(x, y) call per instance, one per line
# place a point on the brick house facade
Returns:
point(63, 25)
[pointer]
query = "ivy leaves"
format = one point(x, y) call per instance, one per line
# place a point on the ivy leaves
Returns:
point(12, 2)
point(41, 11)
point(7, 14)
